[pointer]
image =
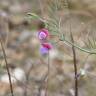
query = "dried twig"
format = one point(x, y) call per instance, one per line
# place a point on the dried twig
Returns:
point(73, 49)
point(9, 75)
point(75, 67)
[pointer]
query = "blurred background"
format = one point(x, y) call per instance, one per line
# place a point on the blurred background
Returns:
point(28, 68)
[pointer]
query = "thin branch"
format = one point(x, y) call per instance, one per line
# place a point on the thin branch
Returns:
point(27, 80)
point(73, 49)
point(9, 75)
point(75, 67)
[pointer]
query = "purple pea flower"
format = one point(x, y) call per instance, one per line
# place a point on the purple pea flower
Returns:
point(45, 48)
point(43, 35)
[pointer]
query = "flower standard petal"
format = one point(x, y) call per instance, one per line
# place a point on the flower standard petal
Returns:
point(43, 34)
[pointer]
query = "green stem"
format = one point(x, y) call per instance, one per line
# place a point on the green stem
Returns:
point(78, 47)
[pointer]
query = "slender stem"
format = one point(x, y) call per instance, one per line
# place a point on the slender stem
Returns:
point(78, 47)
point(73, 50)
point(46, 94)
point(9, 75)
point(27, 80)
point(75, 67)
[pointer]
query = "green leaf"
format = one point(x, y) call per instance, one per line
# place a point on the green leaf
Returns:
point(33, 15)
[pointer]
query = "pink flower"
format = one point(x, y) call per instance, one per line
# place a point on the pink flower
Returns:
point(45, 47)
point(43, 34)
